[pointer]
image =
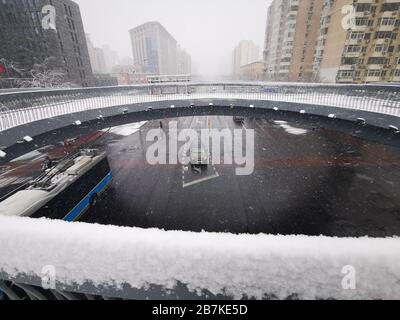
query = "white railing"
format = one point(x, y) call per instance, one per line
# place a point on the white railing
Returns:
point(21, 108)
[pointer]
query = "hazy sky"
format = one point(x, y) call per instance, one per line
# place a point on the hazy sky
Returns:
point(207, 29)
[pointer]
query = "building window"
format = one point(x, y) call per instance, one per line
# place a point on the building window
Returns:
point(362, 21)
point(363, 7)
point(356, 35)
point(387, 21)
point(380, 48)
point(378, 60)
point(390, 7)
point(352, 48)
point(385, 35)
point(349, 61)
point(374, 73)
point(346, 74)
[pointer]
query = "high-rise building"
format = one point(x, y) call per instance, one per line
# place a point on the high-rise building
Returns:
point(274, 36)
point(25, 41)
point(110, 58)
point(291, 34)
point(244, 53)
point(91, 51)
point(102, 59)
point(97, 59)
point(326, 16)
point(154, 49)
point(365, 49)
point(184, 62)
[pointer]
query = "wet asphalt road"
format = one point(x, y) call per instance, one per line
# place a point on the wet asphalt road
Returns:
point(307, 180)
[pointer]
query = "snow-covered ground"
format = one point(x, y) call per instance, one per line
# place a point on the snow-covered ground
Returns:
point(234, 265)
point(126, 129)
point(14, 118)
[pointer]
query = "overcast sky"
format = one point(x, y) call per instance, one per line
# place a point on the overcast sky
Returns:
point(207, 29)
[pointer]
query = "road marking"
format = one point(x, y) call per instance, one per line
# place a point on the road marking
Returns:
point(208, 122)
point(260, 127)
point(186, 185)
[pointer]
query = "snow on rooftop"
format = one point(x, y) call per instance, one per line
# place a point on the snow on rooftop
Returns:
point(21, 202)
point(234, 265)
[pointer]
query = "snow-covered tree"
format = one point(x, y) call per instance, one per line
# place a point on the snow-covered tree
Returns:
point(47, 74)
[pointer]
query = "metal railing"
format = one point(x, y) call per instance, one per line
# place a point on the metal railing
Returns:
point(10, 290)
point(19, 108)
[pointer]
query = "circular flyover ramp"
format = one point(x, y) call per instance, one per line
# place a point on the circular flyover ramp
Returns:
point(312, 175)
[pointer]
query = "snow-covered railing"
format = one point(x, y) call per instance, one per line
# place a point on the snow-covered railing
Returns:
point(19, 108)
point(114, 261)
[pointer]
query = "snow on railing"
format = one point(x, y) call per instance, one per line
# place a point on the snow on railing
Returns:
point(231, 265)
point(24, 107)
point(235, 266)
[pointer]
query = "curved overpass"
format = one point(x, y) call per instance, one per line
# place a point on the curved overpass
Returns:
point(139, 263)
point(378, 105)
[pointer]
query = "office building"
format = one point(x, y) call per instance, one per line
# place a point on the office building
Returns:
point(154, 49)
point(27, 43)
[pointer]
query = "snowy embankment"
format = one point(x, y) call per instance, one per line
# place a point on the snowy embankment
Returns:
point(234, 265)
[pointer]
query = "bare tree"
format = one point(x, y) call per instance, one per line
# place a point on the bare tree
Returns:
point(47, 74)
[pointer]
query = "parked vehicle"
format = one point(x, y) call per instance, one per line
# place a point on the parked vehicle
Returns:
point(65, 190)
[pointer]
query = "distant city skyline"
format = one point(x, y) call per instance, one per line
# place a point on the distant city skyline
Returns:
point(208, 30)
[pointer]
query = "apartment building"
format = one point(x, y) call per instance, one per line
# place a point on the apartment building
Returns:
point(276, 24)
point(367, 51)
point(253, 71)
point(291, 34)
point(26, 43)
point(244, 53)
